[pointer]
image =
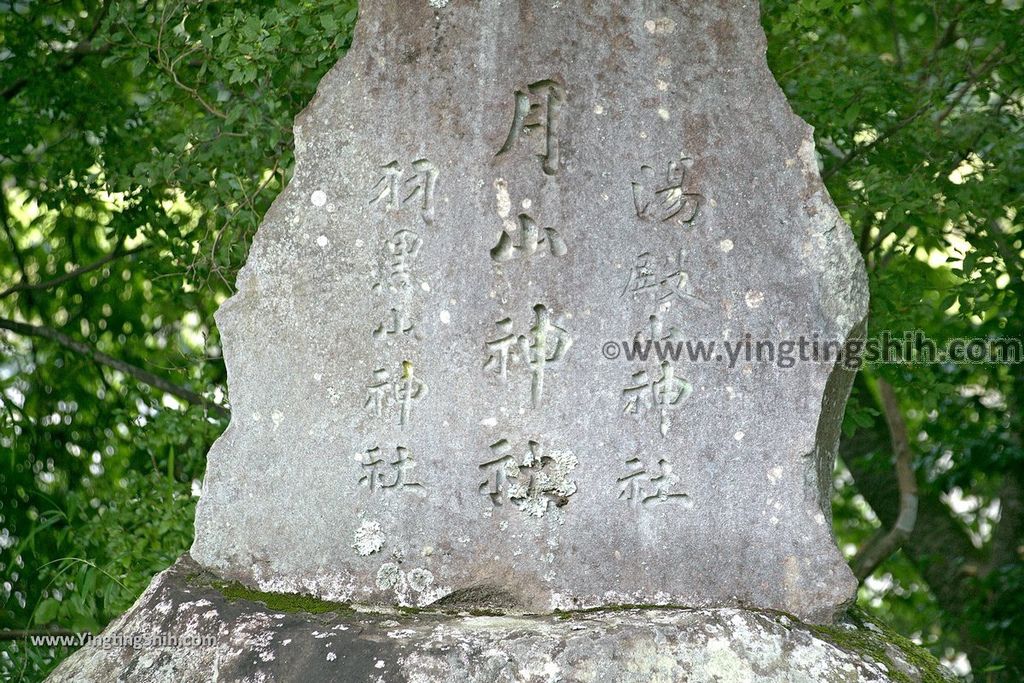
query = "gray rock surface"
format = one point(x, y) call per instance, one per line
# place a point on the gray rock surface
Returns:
point(487, 193)
point(251, 642)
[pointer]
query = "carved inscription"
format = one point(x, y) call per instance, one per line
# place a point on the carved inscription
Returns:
point(532, 481)
point(543, 346)
point(385, 395)
point(401, 252)
point(662, 393)
point(530, 240)
point(403, 247)
point(661, 197)
point(397, 188)
point(537, 116)
point(657, 331)
point(501, 349)
point(663, 281)
point(383, 475)
point(642, 487)
point(395, 323)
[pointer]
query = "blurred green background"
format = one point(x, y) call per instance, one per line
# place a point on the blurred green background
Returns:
point(141, 142)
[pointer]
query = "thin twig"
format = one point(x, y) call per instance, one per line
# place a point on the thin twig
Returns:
point(101, 358)
point(77, 272)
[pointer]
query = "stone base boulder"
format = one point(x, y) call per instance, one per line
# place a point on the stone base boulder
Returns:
point(188, 626)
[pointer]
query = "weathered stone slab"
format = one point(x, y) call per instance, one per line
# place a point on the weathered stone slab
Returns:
point(486, 195)
point(255, 643)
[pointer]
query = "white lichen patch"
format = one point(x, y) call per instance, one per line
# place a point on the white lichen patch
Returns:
point(420, 579)
point(754, 299)
point(539, 480)
point(502, 199)
point(318, 198)
point(401, 633)
point(660, 27)
point(388, 576)
point(726, 246)
point(369, 538)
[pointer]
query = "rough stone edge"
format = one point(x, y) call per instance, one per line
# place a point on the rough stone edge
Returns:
point(423, 640)
point(845, 303)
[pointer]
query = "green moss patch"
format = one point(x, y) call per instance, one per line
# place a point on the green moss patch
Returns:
point(871, 643)
point(279, 602)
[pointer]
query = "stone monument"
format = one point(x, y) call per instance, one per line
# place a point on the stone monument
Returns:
point(432, 403)
point(485, 195)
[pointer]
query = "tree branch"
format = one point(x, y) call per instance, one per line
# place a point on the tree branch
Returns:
point(22, 634)
point(101, 358)
point(77, 272)
point(5, 223)
point(939, 546)
point(989, 64)
point(856, 152)
point(880, 548)
point(74, 56)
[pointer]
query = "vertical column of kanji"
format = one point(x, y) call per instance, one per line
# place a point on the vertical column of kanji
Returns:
point(531, 474)
point(660, 283)
point(404, 194)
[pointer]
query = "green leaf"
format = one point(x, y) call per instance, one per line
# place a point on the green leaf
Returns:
point(46, 611)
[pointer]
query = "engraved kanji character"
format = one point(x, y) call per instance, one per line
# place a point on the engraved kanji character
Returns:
point(408, 390)
point(669, 391)
point(395, 324)
point(379, 474)
point(546, 344)
point(392, 192)
point(657, 199)
point(637, 394)
point(537, 112)
point(501, 349)
point(377, 392)
point(641, 276)
point(529, 241)
point(404, 247)
point(639, 487)
point(498, 469)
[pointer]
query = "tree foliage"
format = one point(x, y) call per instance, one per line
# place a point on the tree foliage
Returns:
point(141, 143)
point(917, 108)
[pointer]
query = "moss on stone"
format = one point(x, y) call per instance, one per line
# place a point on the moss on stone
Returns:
point(871, 642)
point(279, 602)
point(867, 638)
